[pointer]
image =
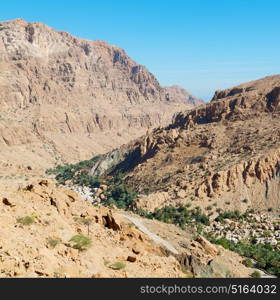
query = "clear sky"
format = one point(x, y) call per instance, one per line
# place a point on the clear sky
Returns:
point(202, 45)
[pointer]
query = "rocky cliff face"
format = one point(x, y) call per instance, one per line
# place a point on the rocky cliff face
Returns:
point(67, 98)
point(221, 155)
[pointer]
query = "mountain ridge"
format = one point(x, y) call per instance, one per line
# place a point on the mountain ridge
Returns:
point(67, 98)
point(223, 151)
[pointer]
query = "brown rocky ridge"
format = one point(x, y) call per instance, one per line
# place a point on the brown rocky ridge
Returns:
point(225, 152)
point(64, 98)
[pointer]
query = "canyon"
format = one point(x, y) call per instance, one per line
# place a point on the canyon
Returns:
point(64, 99)
point(98, 160)
point(225, 152)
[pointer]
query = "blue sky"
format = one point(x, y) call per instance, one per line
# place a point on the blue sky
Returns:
point(202, 45)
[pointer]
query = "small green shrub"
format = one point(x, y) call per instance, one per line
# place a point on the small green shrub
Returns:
point(118, 266)
point(256, 274)
point(247, 262)
point(53, 241)
point(26, 220)
point(81, 242)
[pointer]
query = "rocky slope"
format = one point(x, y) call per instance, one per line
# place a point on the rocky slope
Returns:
point(221, 155)
point(39, 221)
point(64, 98)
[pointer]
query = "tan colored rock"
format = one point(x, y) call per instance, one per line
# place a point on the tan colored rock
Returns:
point(111, 222)
point(152, 201)
point(208, 247)
point(44, 72)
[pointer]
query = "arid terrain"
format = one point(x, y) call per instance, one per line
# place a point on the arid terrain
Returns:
point(105, 173)
point(222, 152)
point(63, 99)
point(41, 219)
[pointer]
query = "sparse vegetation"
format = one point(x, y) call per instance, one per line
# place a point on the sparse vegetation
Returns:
point(188, 273)
point(119, 193)
point(26, 220)
point(53, 241)
point(81, 242)
point(77, 173)
point(118, 266)
point(267, 257)
point(210, 207)
point(233, 215)
point(247, 262)
point(178, 215)
point(84, 221)
point(256, 274)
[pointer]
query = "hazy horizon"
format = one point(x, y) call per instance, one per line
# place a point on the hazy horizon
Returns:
point(200, 45)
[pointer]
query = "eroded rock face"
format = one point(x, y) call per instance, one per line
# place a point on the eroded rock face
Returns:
point(71, 98)
point(223, 152)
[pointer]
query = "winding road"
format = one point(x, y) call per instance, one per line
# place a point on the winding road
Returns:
point(153, 236)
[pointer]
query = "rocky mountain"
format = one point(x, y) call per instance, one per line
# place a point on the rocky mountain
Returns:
point(177, 93)
point(209, 169)
point(65, 99)
point(223, 155)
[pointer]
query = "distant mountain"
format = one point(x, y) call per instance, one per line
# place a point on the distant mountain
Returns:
point(178, 93)
point(67, 98)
